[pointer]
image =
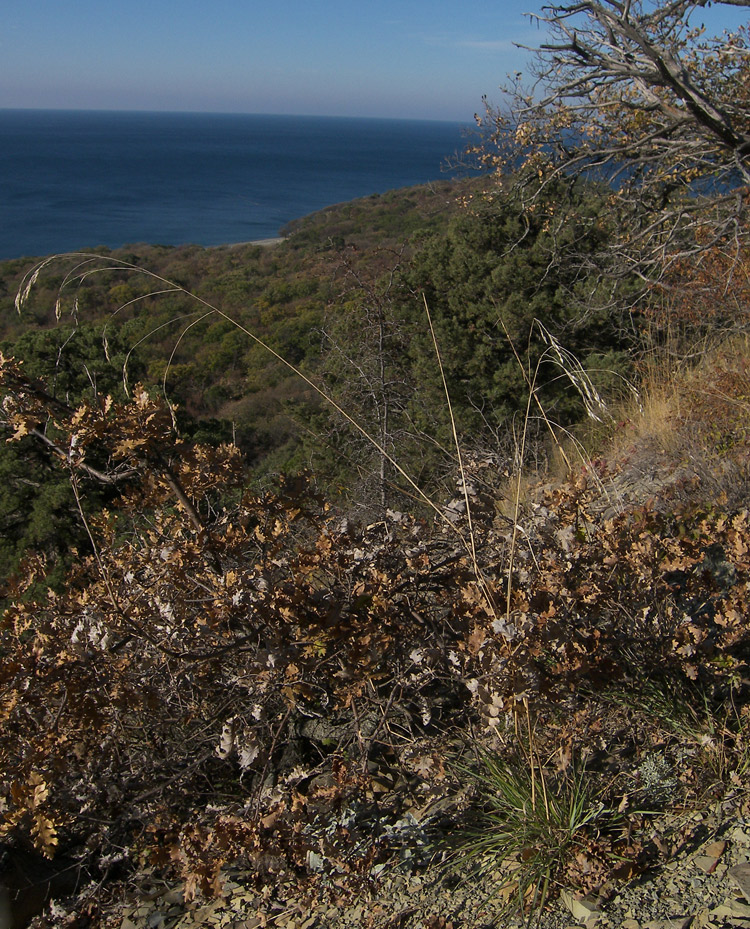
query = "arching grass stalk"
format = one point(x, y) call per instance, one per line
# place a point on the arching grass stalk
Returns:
point(78, 276)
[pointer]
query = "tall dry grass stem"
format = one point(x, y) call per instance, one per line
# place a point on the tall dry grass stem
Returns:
point(90, 264)
point(464, 484)
point(595, 407)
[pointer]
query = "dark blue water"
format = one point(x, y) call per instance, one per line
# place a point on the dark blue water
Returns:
point(77, 179)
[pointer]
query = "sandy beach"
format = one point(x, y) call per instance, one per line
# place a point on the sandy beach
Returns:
point(265, 242)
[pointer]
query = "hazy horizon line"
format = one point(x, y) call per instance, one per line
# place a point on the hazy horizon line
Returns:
point(186, 112)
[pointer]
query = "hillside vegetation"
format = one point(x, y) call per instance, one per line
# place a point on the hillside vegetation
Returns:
point(418, 540)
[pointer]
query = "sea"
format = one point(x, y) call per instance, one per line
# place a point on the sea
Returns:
point(73, 180)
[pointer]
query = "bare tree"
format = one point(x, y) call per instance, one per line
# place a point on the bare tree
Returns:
point(639, 97)
point(365, 346)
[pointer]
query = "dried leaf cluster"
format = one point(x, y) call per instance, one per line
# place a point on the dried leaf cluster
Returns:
point(243, 676)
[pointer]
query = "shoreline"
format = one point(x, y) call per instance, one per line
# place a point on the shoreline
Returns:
point(276, 240)
point(266, 243)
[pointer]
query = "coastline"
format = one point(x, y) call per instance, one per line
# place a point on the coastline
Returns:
point(208, 175)
point(266, 243)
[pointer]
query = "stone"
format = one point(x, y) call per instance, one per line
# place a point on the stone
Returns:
point(740, 874)
point(706, 863)
point(586, 910)
point(715, 849)
point(175, 895)
point(701, 920)
point(735, 911)
point(740, 909)
point(675, 922)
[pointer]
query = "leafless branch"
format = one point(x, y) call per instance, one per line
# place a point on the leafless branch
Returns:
point(638, 98)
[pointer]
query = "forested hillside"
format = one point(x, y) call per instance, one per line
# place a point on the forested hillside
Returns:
point(342, 298)
point(417, 539)
point(92, 325)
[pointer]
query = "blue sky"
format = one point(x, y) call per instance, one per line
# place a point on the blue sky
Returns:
point(428, 59)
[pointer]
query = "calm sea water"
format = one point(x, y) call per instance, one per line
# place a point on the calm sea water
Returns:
point(77, 179)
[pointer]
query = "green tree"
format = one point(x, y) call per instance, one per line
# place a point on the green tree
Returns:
point(496, 271)
point(38, 509)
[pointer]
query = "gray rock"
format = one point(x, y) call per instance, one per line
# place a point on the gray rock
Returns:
point(740, 874)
